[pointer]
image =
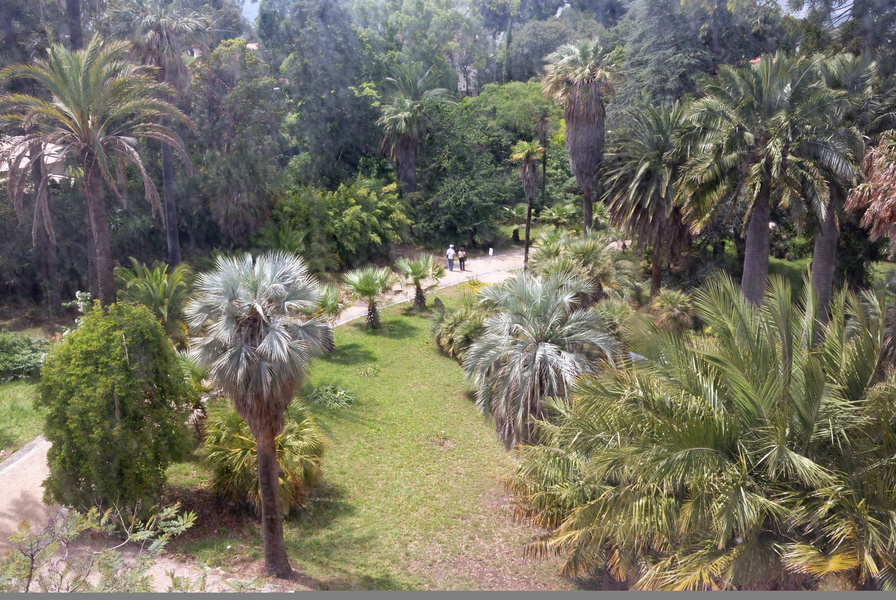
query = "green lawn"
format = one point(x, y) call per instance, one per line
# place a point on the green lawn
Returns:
point(19, 421)
point(413, 496)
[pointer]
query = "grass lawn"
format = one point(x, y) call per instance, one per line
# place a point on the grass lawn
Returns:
point(792, 270)
point(413, 497)
point(19, 421)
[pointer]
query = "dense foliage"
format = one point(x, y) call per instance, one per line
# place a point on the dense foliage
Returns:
point(115, 399)
point(20, 356)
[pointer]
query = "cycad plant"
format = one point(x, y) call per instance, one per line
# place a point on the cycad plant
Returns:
point(538, 341)
point(419, 270)
point(163, 292)
point(229, 449)
point(368, 283)
point(755, 459)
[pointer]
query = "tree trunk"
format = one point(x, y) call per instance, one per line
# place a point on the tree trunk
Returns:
point(73, 16)
point(174, 257)
point(544, 174)
point(275, 560)
point(373, 316)
point(756, 255)
point(419, 299)
point(823, 259)
point(48, 257)
point(96, 208)
point(587, 210)
point(515, 236)
point(406, 163)
point(656, 272)
point(528, 227)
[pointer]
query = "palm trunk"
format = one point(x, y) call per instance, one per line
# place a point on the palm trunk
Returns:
point(587, 209)
point(528, 227)
point(73, 16)
point(373, 316)
point(823, 260)
point(656, 271)
point(406, 159)
point(419, 299)
point(275, 560)
point(174, 257)
point(96, 207)
point(544, 174)
point(757, 251)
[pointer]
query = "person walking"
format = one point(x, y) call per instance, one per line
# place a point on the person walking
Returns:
point(450, 256)
point(461, 257)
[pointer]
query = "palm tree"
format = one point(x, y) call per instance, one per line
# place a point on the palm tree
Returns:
point(257, 345)
point(875, 199)
point(861, 107)
point(516, 216)
point(367, 283)
point(419, 270)
point(534, 347)
point(101, 105)
point(760, 137)
point(159, 30)
point(752, 460)
point(558, 215)
point(643, 166)
point(578, 76)
point(412, 92)
point(528, 154)
point(163, 292)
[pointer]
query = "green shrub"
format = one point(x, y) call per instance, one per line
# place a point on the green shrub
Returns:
point(20, 356)
point(229, 449)
point(116, 399)
point(456, 329)
point(331, 396)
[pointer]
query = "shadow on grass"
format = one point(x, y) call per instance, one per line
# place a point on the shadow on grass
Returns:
point(350, 354)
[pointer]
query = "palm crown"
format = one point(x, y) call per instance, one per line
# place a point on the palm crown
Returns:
point(417, 271)
point(367, 283)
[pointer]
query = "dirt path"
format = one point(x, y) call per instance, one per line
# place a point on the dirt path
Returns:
point(23, 473)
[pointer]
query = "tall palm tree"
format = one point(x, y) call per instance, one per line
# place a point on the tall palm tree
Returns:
point(367, 284)
point(257, 343)
point(101, 105)
point(578, 76)
point(412, 91)
point(534, 347)
point(753, 460)
point(159, 31)
point(875, 199)
point(643, 166)
point(528, 154)
point(417, 271)
point(859, 112)
point(759, 137)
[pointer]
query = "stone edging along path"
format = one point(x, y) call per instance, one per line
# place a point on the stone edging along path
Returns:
point(23, 473)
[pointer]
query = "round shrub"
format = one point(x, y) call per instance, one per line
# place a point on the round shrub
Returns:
point(20, 356)
point(116, 399)
point(229, 448)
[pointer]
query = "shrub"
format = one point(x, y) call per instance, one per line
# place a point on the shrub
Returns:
point(673, 310)
point(229, 448)
point(456, 329)
point(20, 356)
point(116, 400)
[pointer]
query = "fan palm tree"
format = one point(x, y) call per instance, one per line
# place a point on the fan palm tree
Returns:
point(367, 284)
point(412, 91)
point(516, 216)
point(101, 105)
point(528, 153)
point(257, 344)
point(859, 112)
point(535, 345)
point(159, 31)
point(578, 76)
point(760, 137)
point(558, 215)
point(755, 459)
point(417, 271)
point(643, 165)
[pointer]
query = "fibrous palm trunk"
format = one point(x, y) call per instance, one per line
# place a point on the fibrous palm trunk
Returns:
point(823, 259)
point(656, 271)
point(275, 560)
point(96, 207)
point(73, 16)
point(373, 316)
point(587, 210)
point(419, 299)
point(174, 257)
point(406, 162)
point(758, 245)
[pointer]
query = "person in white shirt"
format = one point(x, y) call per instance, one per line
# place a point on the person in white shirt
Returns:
point(450, 256)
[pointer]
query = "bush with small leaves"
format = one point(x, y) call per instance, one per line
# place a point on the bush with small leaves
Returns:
point(116, 400)
point(20, 356)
